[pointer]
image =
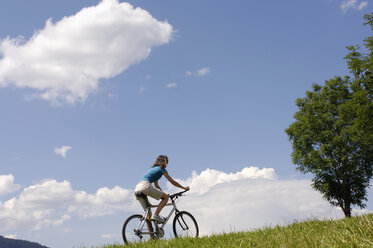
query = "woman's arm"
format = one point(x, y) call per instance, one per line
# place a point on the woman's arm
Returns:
point(157, 185)
point(174, 182)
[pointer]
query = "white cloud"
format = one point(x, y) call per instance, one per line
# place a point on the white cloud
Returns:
point(106, 201)
point(142, 89)
point(250, 198)
point(62, 151)
point(11, 236)
point(171, 85)
point(362, 5)
point(199, 73)
point(188, 73)
point(112, 96)
point(37, 206)
point(203, 71)
point(251, 203)
point(109, 236)
point(52, 203)
point(201, 183)
point(353, 4)
point(65, 60)
point(7, 184)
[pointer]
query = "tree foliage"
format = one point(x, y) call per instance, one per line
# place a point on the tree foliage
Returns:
point(332, 135)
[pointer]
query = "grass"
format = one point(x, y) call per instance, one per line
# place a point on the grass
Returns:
point(349, 232)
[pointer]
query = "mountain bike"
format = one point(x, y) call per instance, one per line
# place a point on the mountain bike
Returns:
point(137, 228)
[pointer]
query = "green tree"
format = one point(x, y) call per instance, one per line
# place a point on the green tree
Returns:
point(332, 135)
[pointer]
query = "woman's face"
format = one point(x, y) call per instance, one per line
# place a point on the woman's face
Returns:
point(164, 163)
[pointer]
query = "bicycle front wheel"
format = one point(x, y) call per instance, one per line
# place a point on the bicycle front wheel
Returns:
point(185, 225)
point(136, 229)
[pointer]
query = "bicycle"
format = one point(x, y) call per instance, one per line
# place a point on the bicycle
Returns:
point(137, 228)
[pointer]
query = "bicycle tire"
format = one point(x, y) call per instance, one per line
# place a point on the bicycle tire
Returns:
point(185, 225)
point(129, 226)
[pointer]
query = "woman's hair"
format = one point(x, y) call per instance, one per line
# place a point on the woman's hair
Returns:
point(161, 161)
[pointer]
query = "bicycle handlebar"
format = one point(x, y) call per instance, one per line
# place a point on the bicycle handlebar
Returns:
point(177, 194)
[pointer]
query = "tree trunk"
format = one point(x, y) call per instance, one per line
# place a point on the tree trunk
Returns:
point(347, 210)
point(347, 200)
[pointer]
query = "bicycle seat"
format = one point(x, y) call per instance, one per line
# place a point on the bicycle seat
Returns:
point(140, 194)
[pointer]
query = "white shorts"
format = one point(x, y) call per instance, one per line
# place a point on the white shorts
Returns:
point(147, 188)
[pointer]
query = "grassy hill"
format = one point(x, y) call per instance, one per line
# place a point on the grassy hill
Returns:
point(352, 232)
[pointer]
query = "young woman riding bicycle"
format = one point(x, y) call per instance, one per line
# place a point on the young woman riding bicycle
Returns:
point(145, 187)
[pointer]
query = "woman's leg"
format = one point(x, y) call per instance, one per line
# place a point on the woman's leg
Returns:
point(149, 224)
point(161, 205)
point(144, 201)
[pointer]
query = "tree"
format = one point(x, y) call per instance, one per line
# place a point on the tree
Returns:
point(332, 135)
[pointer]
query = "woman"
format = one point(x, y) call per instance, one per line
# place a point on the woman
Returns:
point(145, 187)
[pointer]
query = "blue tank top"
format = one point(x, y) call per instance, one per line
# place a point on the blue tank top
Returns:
point(153, 174)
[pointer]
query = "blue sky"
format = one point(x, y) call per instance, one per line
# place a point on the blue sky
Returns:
point(211, 84)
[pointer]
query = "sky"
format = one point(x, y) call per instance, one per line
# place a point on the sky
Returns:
point(91, 92)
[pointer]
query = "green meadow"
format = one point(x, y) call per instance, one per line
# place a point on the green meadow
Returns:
point(348, 232)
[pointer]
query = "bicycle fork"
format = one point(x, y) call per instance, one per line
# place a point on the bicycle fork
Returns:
point(185, 226)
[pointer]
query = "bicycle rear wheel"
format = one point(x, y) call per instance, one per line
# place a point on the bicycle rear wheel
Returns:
point(135, 229)
point(185, 225)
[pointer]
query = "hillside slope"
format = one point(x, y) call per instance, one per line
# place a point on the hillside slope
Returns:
point(351, 232)
point(16, 243)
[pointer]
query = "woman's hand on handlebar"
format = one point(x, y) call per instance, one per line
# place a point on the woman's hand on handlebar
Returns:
point(186, 188)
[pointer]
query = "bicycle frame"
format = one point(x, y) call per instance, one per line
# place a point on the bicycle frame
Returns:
point(145, 215)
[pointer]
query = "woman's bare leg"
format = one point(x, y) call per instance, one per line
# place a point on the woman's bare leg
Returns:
point(161, 205)
point(149, 217)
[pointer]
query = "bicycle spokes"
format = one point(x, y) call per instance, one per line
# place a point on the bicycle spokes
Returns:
point(135, 229)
